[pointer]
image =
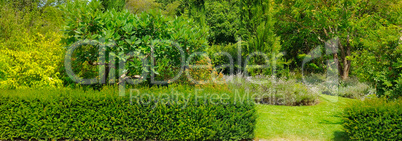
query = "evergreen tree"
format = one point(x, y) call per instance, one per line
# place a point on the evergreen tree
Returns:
point(257, 24)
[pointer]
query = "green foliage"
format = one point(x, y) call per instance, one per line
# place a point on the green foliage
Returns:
point(168, 8)
point(350, 88)
point(194, 9)
point(177, 5)
point(374, 119)
point(254, 14)
point(223, 21)
point(297, 24)
point(257, 30)
point(379, 62)
point(182, 113)
point(255, 27)
point(221, 16)
point(31, 61)
point(125, 32)
point(117, 5)
point(220, 60)
point(30, 49)
point(306, 24)
point(22, 16)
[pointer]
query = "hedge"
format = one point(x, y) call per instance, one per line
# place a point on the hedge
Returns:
point(79, 115)
point(374, 119)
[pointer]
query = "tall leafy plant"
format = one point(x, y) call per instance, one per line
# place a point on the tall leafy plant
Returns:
point(150, 36)
point(380, 62)
point(222, 17)
point(257, 29)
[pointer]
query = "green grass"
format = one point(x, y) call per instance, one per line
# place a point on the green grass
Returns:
point(319, 122)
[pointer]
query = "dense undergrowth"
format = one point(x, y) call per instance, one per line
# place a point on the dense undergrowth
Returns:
point(374, 119)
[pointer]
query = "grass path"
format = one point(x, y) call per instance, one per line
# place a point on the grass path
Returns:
point(318, 122)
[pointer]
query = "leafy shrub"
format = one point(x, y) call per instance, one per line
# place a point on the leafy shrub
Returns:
point(31, 61)
point(278, 91)
point(380, 61)
point(257, 29)
point(218, 56)
point(30, 49)
point(352, 88)
point(374, 119)
point(295, 93)
point(180, 113)
point(357, 91)
point(117, 5)
point(222, 18)
point(205, 75)
point(142, 34)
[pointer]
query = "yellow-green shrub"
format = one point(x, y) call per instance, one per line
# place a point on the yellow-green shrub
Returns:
point(30, 61)
point(204, 75)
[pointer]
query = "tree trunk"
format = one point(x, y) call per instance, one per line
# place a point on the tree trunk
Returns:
point(333, 46)
point(336, 59)
point(344, 73)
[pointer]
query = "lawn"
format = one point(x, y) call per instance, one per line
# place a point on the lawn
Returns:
point(318, 122)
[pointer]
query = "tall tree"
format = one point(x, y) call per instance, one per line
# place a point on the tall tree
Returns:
point(305, 24)
point(257, 24)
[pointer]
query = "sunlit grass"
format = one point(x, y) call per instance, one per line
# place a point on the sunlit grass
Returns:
point(318, 122)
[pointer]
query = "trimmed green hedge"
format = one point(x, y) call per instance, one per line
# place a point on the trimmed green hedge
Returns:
point(75, 114)
point(374, 119)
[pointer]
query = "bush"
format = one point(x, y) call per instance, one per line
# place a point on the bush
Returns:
point(205, 75)
point(78, 115)
point(279, 91)
point(222, 18)
point(350, 88)
point(31, 61)
point(314, 78)
point(380, 63)
point(295, 93)
point(374, 119)
point(354, 89)
point(30, 49)
point(126, 32)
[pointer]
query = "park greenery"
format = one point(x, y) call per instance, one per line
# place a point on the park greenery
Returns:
point(337, 64)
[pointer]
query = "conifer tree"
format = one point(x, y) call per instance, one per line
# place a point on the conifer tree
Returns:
point(257, 29)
